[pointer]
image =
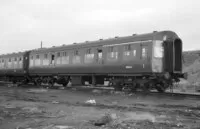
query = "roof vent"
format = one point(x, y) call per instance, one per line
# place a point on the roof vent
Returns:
point(53, 46)
point(100, 39)
point(116, 36)
point(63, 45)
point(74, 43)
point(155, 31)
point(134, 34)
point(86, 41)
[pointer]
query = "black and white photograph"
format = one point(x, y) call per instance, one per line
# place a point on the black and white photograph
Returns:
point(99, 64)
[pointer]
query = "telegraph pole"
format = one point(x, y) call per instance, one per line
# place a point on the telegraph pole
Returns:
point(41, 44)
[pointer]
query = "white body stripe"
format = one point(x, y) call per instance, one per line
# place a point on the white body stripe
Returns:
point(127, 43)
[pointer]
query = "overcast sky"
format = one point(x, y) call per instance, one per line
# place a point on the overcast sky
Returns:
point(24, 23)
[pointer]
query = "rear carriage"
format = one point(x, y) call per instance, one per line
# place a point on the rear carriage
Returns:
point(145, 61)
point(13, 67)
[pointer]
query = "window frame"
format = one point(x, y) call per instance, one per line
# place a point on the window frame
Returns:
point(112, 53)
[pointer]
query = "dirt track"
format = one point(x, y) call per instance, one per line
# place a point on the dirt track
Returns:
point(26, 108)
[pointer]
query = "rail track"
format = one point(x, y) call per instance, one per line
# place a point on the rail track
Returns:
point(108, 90)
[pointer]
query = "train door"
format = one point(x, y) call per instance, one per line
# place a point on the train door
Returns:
point(99, 56)
point(168, 56)
point(145, 56)
point(25, 62)
point(177, 55)
point(52, 58)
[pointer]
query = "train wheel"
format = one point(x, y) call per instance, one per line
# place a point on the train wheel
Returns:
point(25, 81)
point(65, 83)
point(51, 83)
point(160, 88)
point(134, 87)
point(146, 88)
point(38, 82)
point(118, 86)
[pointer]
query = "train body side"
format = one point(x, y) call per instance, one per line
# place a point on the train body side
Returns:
point(153, 59)
point(139, 60)
point(117, 61)
point(12, 66)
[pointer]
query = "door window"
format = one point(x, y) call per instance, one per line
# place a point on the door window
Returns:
point(37, 60)
point(89, 56)
point(52, 59)
point(158, 49)
point(45, 60)
point(112, 53)
point(76, 57)
point(58, 59)
point(99, 54)
point(144, 53)
point(31, 61)
point(65, 58)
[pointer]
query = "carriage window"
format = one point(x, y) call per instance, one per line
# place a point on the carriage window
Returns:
point(112, 53)
point(58, 59)
point(9, 63)
point(64, 53)
point(76, 57)
point(20, 62)
point(144, 52)
point(99, 54)
point(65, 58)
point(45, 56)
point(127, 50)
point(158, 49)
point(76, 53)
point(31, 61)
point(89, 56)
point(37, 56)
point(52, 59)
point(134, 52)
point(37, 60)
point(58, 54)
point(45, 60)
point(15, 62)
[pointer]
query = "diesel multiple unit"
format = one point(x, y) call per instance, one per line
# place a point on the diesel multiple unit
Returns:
point(144, 61)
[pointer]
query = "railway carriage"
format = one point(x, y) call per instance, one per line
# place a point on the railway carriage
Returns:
point(146, 61)
point(13, 67)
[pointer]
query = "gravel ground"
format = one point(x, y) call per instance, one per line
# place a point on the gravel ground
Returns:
point(35, 108)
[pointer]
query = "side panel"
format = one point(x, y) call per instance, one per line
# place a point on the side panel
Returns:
point(168, 56)
point(177, 55)
point(107, 63)
point(26, 62)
